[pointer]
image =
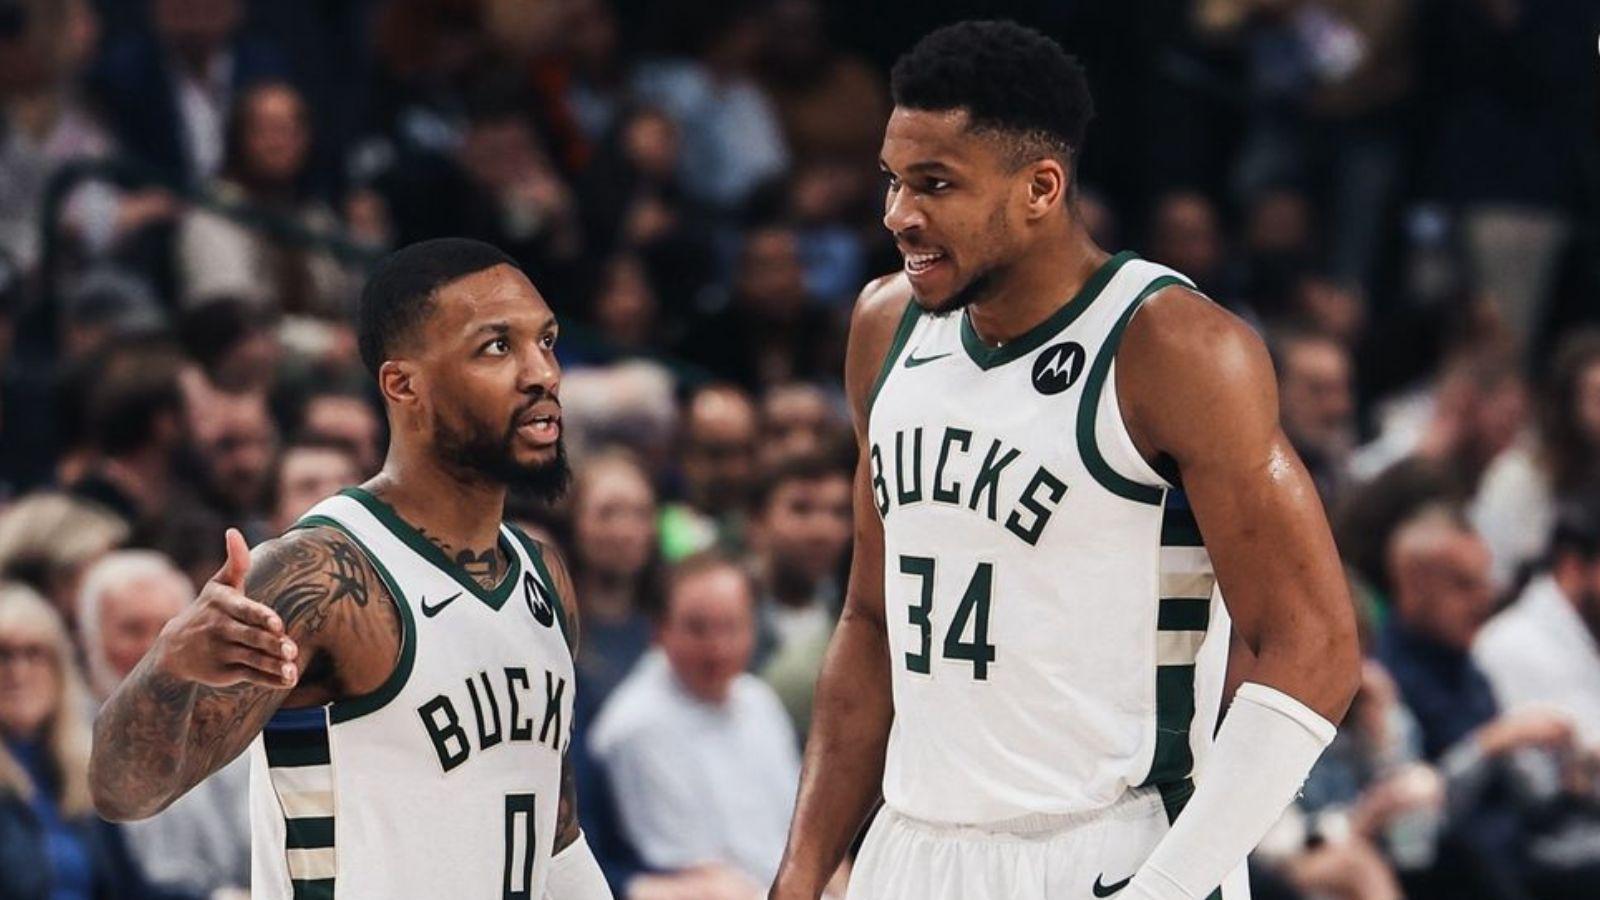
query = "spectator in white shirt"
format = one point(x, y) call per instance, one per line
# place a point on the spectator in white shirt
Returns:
point(1544, 650)
point(700, 754)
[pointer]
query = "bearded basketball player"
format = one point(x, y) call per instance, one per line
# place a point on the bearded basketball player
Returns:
point(1068, 458)
point(399, 663)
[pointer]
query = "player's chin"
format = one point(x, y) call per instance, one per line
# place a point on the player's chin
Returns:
point(938, 290)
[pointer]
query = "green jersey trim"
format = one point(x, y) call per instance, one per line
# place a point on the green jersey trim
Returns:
point(376, 699)
point(407, 533)
point(902, 334)
point(536, 555)
point(988, 357)
point(1089, 407)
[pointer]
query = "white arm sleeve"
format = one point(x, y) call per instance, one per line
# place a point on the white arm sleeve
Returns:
point(1266, 747)
point(574, 874)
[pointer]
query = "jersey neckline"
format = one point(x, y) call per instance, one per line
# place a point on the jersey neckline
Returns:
point(987, 357)
point(494, 597)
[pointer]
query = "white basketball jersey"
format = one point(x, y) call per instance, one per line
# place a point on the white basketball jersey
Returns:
point(1053, 621)
point(445, 781)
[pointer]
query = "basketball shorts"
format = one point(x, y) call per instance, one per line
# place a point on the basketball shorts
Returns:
point(1084, 856)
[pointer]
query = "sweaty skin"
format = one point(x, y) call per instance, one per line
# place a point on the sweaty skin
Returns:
point(1263, 524)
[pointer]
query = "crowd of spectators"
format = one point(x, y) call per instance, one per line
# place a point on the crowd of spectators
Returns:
point(1398, 194)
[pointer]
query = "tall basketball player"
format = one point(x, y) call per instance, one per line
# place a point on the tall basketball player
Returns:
point(1064, 453)
point(400, 662)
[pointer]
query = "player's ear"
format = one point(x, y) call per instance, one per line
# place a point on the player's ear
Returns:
point(1047, 187)
point(395, 380)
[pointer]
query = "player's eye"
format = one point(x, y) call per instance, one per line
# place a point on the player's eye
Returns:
point(548, 341)
point(891, 183)
point(497, 347)
point(936, 186)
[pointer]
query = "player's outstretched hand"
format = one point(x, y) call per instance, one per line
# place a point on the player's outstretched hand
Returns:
point(225, 638)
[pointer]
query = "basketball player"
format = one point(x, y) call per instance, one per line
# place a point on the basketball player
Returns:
point(400, 661)
point(1030, 657)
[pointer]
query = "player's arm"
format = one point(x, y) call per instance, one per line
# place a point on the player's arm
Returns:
point(574, 872)
point(1196, 384)
point(227, 662)
point(843, 771)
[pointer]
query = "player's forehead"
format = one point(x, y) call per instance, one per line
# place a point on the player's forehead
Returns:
point(496, 295)
point(928, 139)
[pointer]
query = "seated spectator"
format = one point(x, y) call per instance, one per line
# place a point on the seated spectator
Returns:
point(201, 843)
point(717, 463)
point(771, 330)
point(49, 540)
point(234, 341)
point(1544, 650)
point(1316, 399)
point(268, 147)
point(798, 418)
point(800, 530)
point(700, 755)
point(52, 846)
point(306, 472)
point(167, 90)
point(235, 440)
point(615, 572)
point(1508, 772)
point(343, 414)
point(1515, 505)
point(135, 433)
point(46, 124)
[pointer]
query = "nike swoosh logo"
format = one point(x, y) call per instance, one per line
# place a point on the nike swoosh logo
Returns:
point(1106, 890)
point(913, 361)
point(431, 611)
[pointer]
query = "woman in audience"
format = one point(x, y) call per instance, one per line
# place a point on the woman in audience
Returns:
point(615, 567)
point(268, 145)
point(1515, 505)
point(52, 847)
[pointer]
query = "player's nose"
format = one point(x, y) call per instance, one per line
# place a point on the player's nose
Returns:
point(900, 212)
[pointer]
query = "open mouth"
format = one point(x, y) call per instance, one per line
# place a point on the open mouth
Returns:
point(541, 428)
point(920, 262)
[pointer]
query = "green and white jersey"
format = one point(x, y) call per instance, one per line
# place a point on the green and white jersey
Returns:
point(445, 781)
point(1054, 624)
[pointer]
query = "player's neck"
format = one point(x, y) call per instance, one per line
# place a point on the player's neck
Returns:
point(1031, 290)
point(462, 516)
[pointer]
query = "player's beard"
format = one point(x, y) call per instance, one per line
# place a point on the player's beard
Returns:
point(481, 452)
point(982, 282)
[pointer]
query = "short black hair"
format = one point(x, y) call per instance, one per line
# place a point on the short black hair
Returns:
point(803, 467)
point(1577, 527)
point(1010, 79)
point(399, 295)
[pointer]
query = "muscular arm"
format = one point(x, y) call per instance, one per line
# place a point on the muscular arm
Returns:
point(567, 829)
point(166, 729)
point(843, 771)
point(1263, 523)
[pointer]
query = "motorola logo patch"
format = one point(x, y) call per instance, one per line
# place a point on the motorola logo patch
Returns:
point(538, 602)
point(1058, 367)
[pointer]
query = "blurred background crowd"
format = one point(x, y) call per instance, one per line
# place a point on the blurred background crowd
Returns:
point(1400, 194)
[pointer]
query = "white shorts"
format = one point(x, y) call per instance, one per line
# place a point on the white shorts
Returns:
point(1071, 857)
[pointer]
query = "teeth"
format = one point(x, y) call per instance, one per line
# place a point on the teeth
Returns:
point(917, 262)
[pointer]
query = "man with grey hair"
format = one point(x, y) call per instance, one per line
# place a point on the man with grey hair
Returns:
point(201, 844)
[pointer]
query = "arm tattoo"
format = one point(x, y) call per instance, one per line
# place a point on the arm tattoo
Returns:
point(158, 736)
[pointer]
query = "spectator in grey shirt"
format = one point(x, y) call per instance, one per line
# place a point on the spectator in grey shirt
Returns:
point(200, 845)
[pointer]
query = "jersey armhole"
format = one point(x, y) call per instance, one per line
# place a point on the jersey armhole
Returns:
point(1148, 486)
point(902, 335)
point(355, 707)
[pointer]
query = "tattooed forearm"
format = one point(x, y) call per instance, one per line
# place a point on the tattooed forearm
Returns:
point(161, 733)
